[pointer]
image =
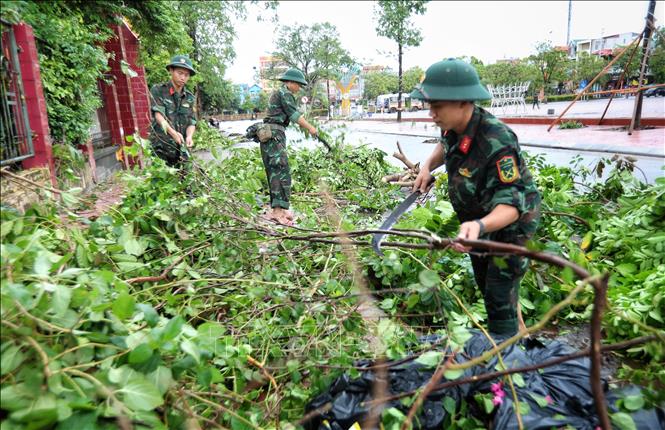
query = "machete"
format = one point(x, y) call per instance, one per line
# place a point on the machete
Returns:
point(393, 217)
point(325, 143)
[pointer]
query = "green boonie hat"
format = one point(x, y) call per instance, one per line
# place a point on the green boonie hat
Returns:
point(451, 79)
point(183, 62)
point(293, 75)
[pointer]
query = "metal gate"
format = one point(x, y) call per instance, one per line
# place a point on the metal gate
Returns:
point(15, 134)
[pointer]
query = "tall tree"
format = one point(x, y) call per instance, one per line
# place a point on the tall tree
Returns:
point(657, 58)
point(506, 73)
point(587, 67)
point(315, 50)
point(411, 78)
point(394, 22)
point(551, 62)
point(377, 83)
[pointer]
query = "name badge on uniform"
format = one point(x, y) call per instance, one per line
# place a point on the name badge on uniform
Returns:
point(465, 172)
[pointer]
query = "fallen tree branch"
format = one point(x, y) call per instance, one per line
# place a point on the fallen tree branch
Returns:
point(575, 217)
point(403, 158)
point(166, 271)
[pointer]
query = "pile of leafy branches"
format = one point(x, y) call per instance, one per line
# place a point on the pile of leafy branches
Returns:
point(179, 308)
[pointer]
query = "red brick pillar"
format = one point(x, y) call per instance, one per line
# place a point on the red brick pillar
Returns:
point(35, 101)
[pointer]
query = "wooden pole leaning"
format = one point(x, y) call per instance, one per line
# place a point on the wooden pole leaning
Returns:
point(593, 81)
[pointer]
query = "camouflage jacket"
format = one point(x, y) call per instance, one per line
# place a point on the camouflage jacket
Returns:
point(177, 108)
point(486, 168)
point(282, 109)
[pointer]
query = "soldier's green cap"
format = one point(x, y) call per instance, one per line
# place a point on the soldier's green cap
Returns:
point(183, 62)
point(294, 75)
point(451, 79)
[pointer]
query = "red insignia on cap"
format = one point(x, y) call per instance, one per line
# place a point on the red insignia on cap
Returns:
point(465, 145)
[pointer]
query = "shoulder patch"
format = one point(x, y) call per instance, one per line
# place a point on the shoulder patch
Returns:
point(507, 168)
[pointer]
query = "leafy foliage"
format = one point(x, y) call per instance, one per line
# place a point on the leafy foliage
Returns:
point(551, 62)
point(393, 20)
point(315, 50)
point(178, 307)
point(72, 61)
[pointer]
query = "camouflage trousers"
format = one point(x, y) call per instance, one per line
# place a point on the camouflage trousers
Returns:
point(276, 163)
point(170, 152)
point(499, 284)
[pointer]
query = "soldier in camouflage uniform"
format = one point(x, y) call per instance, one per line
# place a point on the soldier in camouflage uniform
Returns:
point(174, 119)
point(281, 112)
point(489, 184)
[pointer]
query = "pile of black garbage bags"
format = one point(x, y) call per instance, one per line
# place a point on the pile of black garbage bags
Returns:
point(566, 387)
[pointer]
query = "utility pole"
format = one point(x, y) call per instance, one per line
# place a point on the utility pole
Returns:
point(648, 27)
point(570, 14)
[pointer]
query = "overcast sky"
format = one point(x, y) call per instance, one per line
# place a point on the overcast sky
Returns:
point(487, 30)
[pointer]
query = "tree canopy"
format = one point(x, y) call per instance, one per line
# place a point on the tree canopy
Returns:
point(393, 20)
point(315, 50)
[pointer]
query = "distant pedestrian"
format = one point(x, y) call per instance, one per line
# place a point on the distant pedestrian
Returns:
point(535, 100)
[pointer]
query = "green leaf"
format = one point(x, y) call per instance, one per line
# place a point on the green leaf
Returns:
point(623, 421)
point(11, 358)
point(452, 374)
point(42, 410)
point(141, 395)
point(149, 314)
point(162, 378)
point(190, 348)
point(172, 328)
point(518, 380)
point(42, 264)
point(123, 306)
point(500, 262)
point(449, 405)
point(61, 298)
point(133, 247)
point(633, 402)
point(428, 278)
point(430, 358)
point(140, 354)
point(542, 402)
point(626, 269)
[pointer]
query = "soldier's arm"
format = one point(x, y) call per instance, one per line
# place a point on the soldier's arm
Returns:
point(291, 110)
point(189, 135)
point(157, 107)
point(302, 122)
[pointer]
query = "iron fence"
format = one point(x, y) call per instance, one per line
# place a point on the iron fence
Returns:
point(15, 134)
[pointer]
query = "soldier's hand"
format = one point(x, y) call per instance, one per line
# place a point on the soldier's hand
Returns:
point(177, 137)
point(423, 181)
point(469, 230)
point(189, 141)
point(313, 131)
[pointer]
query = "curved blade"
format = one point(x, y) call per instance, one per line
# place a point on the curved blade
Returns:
point(392, 219)
point(325, 143)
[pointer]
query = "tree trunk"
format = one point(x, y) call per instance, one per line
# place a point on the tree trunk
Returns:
point(328, 94)
point(399, 84)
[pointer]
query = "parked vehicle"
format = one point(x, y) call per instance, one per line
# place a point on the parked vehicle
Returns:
point(388, 103)
point(655, 92)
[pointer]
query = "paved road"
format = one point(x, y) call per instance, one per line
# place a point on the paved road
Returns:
point(621, 107)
